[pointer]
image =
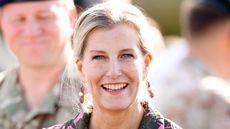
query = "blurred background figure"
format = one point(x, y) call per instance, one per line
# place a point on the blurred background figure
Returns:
point(193, 78)
point(39, 34)
point(7, 60)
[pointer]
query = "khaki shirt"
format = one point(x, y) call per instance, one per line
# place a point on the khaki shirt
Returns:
point(14, 113)
point(191, 95)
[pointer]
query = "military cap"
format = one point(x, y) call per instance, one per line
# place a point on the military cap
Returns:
point(220, 5)
point(84, 4)
point(4, 2)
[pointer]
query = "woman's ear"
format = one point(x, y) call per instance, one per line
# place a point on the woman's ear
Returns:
point(80, 68)
point(148, 58)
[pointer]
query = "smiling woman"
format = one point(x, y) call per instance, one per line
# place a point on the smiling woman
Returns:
point(113, 57)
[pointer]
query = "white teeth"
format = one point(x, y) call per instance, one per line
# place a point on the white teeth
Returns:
point(114, 86)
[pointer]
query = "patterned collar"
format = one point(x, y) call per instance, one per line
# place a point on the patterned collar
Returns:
point(152, 119)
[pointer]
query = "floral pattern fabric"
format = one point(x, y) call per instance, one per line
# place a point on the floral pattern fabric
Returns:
point(152, 119)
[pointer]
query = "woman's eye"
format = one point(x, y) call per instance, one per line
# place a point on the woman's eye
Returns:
point(98, 57)
point(127, 56)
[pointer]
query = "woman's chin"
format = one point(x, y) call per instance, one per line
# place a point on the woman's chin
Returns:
point(116, 106)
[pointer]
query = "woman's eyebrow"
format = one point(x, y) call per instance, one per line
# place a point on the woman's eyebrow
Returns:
point(127, 50)
point(97, 51)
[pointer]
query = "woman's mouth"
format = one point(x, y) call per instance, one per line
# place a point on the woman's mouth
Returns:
point(114, 87)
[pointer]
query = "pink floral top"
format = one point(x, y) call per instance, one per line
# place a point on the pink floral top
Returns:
point(152, 119)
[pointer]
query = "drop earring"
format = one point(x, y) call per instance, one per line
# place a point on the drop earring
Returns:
point(82, 93)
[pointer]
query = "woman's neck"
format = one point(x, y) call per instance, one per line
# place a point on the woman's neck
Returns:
point(128, 118)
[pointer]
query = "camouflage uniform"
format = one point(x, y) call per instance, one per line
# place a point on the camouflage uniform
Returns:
point(14, 113)
point(190, 94)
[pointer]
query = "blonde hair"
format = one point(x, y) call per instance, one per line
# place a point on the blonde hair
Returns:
point(107, 15)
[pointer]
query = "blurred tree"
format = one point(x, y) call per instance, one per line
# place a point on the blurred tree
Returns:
point(165, 12)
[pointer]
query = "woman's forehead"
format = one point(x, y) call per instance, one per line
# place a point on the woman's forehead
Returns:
point(115, 39)
point(120, 32)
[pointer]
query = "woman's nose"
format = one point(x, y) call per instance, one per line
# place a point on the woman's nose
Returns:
point(114, 70)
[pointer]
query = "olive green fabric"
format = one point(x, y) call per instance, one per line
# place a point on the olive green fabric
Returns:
point(13, 110)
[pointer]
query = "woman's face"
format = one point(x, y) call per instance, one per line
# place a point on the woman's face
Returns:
point(113, 67)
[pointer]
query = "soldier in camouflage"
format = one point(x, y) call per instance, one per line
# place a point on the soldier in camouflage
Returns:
point(192, 83)
point(39, 34)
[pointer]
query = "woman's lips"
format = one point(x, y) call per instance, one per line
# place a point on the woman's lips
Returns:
point(114, 87)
